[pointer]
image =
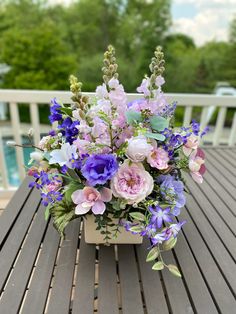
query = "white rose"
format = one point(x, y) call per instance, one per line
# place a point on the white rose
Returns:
point(138, 148)
point(37, 156)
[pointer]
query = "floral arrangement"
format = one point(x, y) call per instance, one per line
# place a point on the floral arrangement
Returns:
point(112, 158)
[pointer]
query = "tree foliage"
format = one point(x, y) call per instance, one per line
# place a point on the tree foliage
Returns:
point(43, 44)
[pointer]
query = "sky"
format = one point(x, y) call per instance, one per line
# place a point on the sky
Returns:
point(203, 20)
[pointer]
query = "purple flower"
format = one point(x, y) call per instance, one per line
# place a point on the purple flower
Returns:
point(175, 228)
point(69, 129)
point(55, 113)
point(195, 127)
point(159, 238)
point(160, 215)
point(172, 192)
point(97, 169)
point(51, 197)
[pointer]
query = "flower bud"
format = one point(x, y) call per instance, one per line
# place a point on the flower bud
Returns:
point(11, 143)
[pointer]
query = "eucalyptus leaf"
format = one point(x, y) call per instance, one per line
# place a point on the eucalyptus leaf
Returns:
point(47, 212)
point(133, 116)
point(157, 136)
point(153, 254)
point(169, 244)
point(136, 229)
point(158, 266)
point(137, 216)
point(174, 270)
point(158, 123)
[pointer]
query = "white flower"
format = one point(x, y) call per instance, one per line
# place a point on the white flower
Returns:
point(101, 91)
point(113, 83)
point(11, 143)
point(37, 156)
point(138, 148)
point(64, 155)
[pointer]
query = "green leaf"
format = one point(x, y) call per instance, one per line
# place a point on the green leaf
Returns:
point(158, 266)
point(137, 216)
point(62, 214)
point(157, 136)
point(133, 116)
point(71, 187)
point(66, 110)
point(169, 244)
point(47, 212)
point(158, 123)
point(135, 229)
point(174, 270)
point(153, 254)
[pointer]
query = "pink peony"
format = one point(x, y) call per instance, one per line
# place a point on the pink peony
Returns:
point(132, 182)
point(138, 148)
point(158, 158)
point(192, 143)
point(196, 165)
point(91, 198)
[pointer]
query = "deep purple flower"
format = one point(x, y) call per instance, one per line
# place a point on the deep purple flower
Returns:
point(52, 132)
point(55, 113)
point(172, 192)
point(160, 215)
point(69, 129)
point(97, 169)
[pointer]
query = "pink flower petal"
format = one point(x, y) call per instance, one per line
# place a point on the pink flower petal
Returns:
point(197, 177)
point(80, 209)
point(78, 196)
point(187, 151)
point(98, 208)
point(106, 194)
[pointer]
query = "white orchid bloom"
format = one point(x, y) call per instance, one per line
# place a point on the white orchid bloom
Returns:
point(64, 155)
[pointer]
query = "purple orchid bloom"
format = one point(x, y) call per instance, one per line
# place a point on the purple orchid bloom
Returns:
point(160, 215)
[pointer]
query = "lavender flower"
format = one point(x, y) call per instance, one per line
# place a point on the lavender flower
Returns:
point(69, 129)
point(98, 169)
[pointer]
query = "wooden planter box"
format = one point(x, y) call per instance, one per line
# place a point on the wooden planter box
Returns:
point(94, 236)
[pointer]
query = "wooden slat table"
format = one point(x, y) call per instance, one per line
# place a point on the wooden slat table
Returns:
point(39, 273)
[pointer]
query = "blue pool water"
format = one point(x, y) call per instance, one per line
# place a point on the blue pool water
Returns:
point(10, 159)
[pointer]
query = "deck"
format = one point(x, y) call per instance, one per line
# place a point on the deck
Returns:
point(39, 273)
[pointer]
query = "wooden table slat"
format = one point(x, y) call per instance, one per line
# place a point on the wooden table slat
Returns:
point(216, 160)
point(59, 302)
point(219, 289)
point(13, 208)
point(83, 302)
point(40, 282)
point(107, 285)
point(131, 299)
point(14, 240)
point(197, 287)
point(176, 291)
point(154, 294)
point(15, 288)
point(227, 162)
point(214, 219)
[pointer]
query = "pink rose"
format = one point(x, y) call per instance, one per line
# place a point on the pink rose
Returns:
point(138, 148)
point(192, 143)
point(91, 198)
point(132, 182)
point(196, 165)
point(158, 158)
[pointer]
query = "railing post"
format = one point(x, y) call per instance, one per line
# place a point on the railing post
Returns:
point(187, 115)
point(3, 168)
point(203, 120)
point(219, 125)
point(34, 115)
point(17, 137)
point(232, 136)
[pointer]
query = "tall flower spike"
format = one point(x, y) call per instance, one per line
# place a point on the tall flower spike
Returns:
point(110, 66)
point(156, 66)
point(76, 88)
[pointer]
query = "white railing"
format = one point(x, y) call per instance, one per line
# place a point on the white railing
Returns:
point(36, 98)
